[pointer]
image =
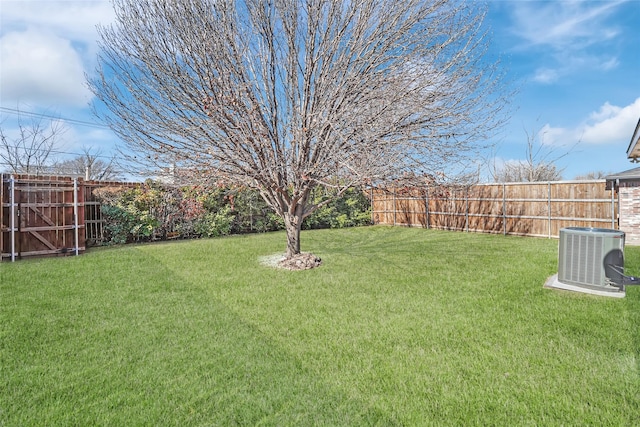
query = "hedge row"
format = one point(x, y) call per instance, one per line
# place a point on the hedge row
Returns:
point(154, 211)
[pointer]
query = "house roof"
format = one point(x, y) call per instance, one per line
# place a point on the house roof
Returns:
point(626, 175)
point(633, 152)
point(631, 176)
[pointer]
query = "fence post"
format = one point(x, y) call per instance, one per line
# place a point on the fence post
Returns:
point(373, 213)
point(549, 206)
point(466, 216)
point(613, 207)
point(504, 209)
point(395, 208)
point(426, 204)
point(75, 214)
point(12, 216)
point(1, 214)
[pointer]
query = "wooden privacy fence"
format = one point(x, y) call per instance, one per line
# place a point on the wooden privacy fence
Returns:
point(530, 209)
point(61, 215)
point(48, 215)
point(40, 216)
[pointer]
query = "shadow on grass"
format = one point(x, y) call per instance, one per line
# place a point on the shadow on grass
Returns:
point(150, 348)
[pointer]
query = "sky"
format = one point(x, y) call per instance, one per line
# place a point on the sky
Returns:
point(575, 66)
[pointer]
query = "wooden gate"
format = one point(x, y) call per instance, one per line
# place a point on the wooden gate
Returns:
point(40, 216)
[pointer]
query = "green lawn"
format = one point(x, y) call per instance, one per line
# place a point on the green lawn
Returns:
point(398, 327)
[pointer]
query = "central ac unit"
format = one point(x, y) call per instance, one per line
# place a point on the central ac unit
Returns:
point(585, 256)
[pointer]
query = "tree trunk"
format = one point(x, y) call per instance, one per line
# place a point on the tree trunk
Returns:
point(293, 225)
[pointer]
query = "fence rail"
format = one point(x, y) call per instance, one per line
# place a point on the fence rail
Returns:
point(40, 216)
point(59, 215)
point(531, 209)
point(49, 215)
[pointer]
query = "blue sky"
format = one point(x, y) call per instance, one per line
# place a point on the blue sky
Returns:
point(576, 65)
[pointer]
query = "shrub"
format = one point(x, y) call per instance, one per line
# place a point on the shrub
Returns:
point(156, 211)
point(252, 214)
point(214, 224)
point(126, 220)
point(350, 210)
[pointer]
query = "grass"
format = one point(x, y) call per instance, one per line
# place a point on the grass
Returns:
point(398, 327)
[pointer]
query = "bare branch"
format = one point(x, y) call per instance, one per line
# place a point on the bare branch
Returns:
point(286, 95)
point(89, 165)
point(28, 148)
point(540, 163)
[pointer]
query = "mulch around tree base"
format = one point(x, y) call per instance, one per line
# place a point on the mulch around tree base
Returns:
point(302, 261)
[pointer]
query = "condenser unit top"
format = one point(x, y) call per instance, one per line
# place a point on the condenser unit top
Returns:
point(594, 231)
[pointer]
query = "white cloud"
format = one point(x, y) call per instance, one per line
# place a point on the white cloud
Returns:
point(567, 65)
point(45, 49)
point(569, 35)
point(564, 25)
point(610, 124)
point(546, 75)
point(76, 19)
point(549, 135)
point(41, 68)
point(610, 64)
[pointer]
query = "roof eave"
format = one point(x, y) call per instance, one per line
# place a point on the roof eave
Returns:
point(633, 152)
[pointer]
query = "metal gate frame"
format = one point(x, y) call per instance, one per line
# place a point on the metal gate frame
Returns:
point(14, 227)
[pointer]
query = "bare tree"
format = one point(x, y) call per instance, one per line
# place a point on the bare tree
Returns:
point(29, 148)
point(540, 163)
point(89, 165)
point(286, 95)
point(592, 175)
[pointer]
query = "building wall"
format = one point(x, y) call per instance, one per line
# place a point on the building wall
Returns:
point(630, 214)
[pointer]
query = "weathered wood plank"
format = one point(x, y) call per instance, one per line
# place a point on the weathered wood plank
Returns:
point(534, 209)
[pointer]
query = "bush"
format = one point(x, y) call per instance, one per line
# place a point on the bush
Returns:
point(117, 224)
point(127, 216)
point(252, 214)
point(153, 211)
point(214, 224)
point(351, 210)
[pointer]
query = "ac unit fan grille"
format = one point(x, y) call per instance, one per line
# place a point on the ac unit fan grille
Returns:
point(583, 255)
point(582, 252)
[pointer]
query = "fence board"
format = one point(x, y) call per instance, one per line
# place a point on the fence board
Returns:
point(40, 216)
point(49, 215)
point(532, 209)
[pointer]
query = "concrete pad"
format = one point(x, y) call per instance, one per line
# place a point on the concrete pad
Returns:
point(553, 283)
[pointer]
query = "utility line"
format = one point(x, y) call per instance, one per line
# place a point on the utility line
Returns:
point(18, 112)
point(25, 149)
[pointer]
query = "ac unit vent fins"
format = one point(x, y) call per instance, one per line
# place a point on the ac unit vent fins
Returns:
point(581, 254)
